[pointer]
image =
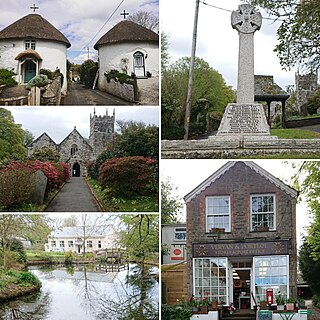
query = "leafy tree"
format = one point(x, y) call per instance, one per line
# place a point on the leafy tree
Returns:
point(28, 137)
point(298, 34)
point(170, 205)
point(12, 137)
point(88, 72)
point(313, 103)
point(208, 84)
point(145, 19)
point(46, 154)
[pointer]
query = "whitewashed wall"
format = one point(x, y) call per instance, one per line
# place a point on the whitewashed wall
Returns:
point(110, 58)
point(54, 54)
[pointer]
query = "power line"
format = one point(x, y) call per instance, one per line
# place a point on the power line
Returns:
point(121, 2)
point(223, 9)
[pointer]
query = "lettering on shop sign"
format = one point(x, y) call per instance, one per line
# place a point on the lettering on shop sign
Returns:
point(240, 249)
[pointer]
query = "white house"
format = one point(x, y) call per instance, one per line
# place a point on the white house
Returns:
point(30, 44)
point(128, 48)
point(173, 237)
point(75, 239)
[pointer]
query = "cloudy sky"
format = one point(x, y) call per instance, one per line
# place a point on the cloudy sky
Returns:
point(217, 41)
point(78, 20)
point(188, 174)
point(59, 122)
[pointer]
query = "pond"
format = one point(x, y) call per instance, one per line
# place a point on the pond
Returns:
point(85, 294)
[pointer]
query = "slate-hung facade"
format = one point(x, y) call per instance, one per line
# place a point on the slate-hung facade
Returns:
point(257, 248)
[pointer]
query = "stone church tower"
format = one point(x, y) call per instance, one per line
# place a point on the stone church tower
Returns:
point(101, 131)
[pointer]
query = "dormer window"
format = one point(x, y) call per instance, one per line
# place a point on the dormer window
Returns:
point(263, 212)
point(30, 44)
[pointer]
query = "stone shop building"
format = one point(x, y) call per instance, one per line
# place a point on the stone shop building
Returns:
point(241, 236)
point(77, 150)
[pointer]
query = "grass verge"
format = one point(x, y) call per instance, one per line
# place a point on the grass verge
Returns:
point(294, 134)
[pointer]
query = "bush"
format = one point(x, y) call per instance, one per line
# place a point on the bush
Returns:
point(173, 132)
point(6, 78)
point(46, 154)
point(118, 77)
point(68, 258)
point(17, 246)
point(48, 73)
point(175, 312)
point(16, 187)
point(128, 176)
point(38, 81)
point(88, 72)
point(28, 278)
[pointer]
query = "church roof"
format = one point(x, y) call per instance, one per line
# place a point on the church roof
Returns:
point(127, 31)
point(43, 135)
point(228, 166)
point(76, 132)
point(33, 26)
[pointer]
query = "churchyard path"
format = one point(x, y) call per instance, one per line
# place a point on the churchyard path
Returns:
point(75, 196)
point(78, 95)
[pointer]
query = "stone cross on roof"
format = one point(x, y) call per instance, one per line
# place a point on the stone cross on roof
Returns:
point(124, 14)
point(34, 8)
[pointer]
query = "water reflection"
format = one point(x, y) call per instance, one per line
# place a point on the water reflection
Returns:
point(85, 294)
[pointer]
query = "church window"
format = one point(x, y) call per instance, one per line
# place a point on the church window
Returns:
point(30, 44)
point(74, 149)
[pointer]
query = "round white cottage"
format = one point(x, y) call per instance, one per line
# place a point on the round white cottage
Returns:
point(30, 44)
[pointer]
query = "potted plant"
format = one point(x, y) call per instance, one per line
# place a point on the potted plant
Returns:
point(290, 303)
point(204, 304)
point(300, 301)
point(214, 304)
point(194, 302)
point(231, 308)
point(280, 302)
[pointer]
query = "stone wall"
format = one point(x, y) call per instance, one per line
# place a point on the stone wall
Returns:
point(52, 93)
point(125, 91)
point(240, 182)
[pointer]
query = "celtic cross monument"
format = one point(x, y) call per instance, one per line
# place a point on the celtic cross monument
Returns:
point(245, 118)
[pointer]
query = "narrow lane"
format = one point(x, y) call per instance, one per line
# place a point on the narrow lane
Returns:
point(75, 196)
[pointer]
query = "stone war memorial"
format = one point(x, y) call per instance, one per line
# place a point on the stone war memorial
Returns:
point(244, 130)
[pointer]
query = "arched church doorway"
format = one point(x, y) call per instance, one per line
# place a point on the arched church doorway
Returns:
point(76, 170)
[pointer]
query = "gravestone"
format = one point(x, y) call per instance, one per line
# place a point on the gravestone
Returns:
point(245, 118)
point(40, 188)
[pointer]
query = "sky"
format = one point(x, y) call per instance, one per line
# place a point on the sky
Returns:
point(186, 175)
point(217, 42)
point(59, 122)
point(78, 20)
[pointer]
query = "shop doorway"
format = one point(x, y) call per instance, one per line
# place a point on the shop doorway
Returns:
point(242, 288)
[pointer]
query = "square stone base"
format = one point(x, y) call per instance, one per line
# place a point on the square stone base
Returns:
point(244, 120)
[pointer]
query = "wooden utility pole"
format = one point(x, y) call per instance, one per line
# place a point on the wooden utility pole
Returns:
point(191, 72)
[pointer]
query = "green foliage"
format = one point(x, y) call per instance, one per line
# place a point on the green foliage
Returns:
point(316, 300)
point(127, 176)
point(47, 73)
point(17, 246)
point(38, 81)
point(6, 78)
point(208, 86)
point(46, 154)
point(171, 205)
point(297, 35)
point(313, 103)
point(88, 72)
point(68, 258)
point(28, 278)
point(45, 256)
point(169, 312)
point(118, 77)
point(11, 137)
point(16, 187)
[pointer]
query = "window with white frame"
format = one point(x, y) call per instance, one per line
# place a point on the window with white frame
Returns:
point(53, 243)
point(263, 211)
point(271, 272)
point(89, 244)
point(210, 279)
point(180, 234)
point(61, 244)
point(218, 212)
point(70, 243)
point(30, 44)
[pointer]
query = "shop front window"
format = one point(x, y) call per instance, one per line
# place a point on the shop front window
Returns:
point(271, 272)
point(210, 279)
point(218, 212)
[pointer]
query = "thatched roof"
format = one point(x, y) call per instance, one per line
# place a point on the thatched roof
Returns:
point(28, 52)
point(33, 26)
point(127, 31)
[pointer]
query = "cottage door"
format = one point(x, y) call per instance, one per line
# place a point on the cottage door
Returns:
point(138, 64)
point(29, 70)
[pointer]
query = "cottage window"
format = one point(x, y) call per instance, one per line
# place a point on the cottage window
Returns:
point(99, 244)
point(263, 211)
point(61, 244)
point(30, 44)
point(271, 272)
point(70, 244)
point(53, 243)
point(74, 149)
point(180, 234)
point(210, 278)
point(218, 212)
point(89, 244)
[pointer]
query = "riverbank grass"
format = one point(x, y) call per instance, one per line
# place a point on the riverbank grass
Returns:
point(14, 283)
